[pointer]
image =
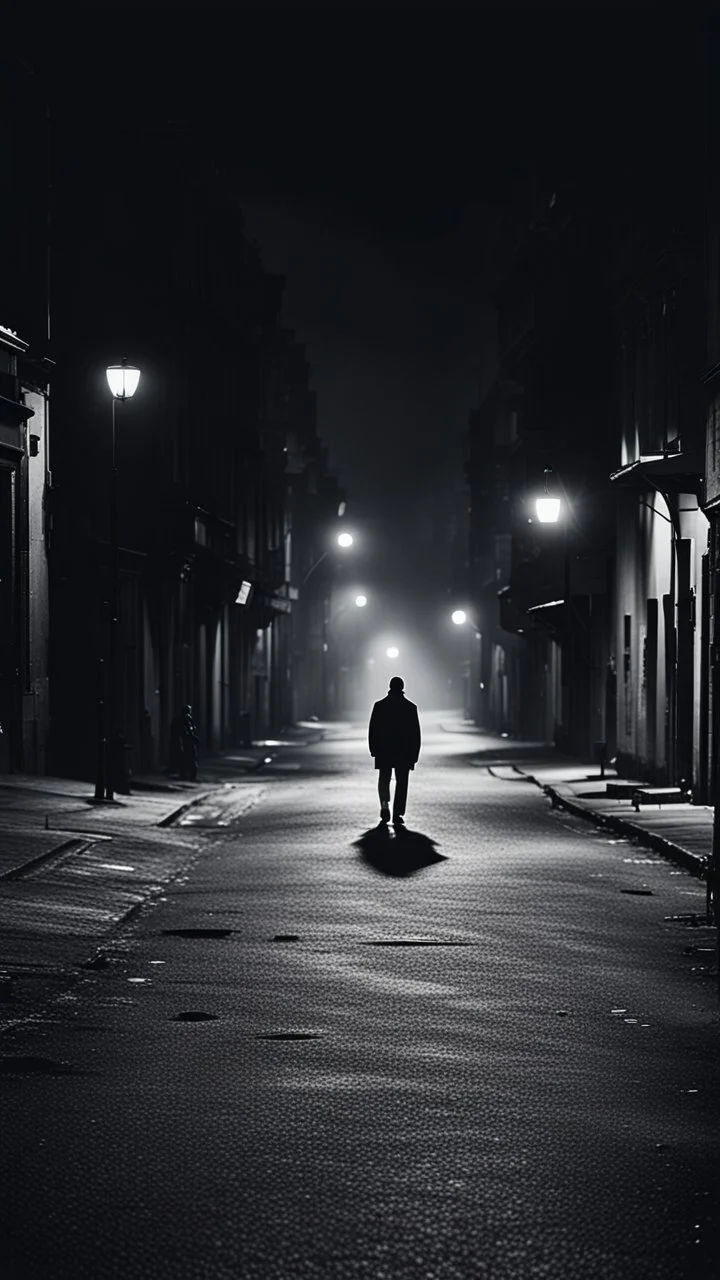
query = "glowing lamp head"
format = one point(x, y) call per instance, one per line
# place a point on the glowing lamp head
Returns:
point(345, 540)
point(360, 602)
point(458, 616)
point(392, 652)
point(547, 510)
point(122, 380)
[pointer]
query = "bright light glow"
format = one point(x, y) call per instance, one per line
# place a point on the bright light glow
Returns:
point(122, 380)
point(361, 601)
point(244, 593)
point(345, 540)
point(392, 652)
point(547, 510)
point(458, 617)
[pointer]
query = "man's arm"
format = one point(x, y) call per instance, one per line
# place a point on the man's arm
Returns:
point(372, 731)
point(416, 735)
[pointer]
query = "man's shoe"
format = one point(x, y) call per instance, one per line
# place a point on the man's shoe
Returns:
point(398, 822)
point(384, 814)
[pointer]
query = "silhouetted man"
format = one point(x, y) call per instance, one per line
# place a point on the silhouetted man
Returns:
point(394, 738)
point(184, 745)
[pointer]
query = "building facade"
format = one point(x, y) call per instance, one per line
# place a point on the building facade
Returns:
point(161, 273)
point(24, 540)
point(540, 592)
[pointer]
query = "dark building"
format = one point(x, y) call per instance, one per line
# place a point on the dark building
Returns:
point(595, 394)
point(540, 591)
point(158, 270)
point(25, 370)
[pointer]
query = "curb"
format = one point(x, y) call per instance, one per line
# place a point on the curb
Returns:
point(169, 818)
point(697, 866)
point(68, 846)
point(315, 736)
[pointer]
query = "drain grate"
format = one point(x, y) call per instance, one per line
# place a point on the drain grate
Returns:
point(197, 933)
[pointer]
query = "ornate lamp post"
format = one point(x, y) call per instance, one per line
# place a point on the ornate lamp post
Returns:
point(123, 382)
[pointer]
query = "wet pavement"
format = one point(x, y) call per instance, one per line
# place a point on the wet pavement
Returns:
point(484, 1047)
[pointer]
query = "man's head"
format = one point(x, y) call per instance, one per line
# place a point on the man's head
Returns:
point(397, 684)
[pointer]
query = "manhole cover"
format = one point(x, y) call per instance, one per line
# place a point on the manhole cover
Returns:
point(287, 1035)
point(413, 942)
point(639, 893)
point(195, 1015)
point(197, 933)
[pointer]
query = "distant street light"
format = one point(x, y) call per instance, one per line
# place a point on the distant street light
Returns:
point(123, 382)
point(343, 540)
point(360, 601)
point(392, 652)
point(458, 616)
point(343, 646)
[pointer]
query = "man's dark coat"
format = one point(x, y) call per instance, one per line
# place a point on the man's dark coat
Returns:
point(394, 734)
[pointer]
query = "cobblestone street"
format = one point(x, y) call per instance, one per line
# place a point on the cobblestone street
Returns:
point(486, 1047)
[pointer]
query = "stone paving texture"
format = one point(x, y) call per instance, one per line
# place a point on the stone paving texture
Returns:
point(500, 1064)
point(155, 831)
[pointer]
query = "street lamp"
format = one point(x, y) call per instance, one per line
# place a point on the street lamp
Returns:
point(460, 619)
point(123, 382)
point(341, 650)
point(547, 510)
point(392, 651)
point(547, 506)
point(343, 540)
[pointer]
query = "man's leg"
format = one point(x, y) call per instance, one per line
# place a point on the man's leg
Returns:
point(401, 790)
point(384, 793)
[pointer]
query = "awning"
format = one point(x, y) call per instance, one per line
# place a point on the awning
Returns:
point(276, 604)
point(550, 604)
point(13, 413)
point(668, 472)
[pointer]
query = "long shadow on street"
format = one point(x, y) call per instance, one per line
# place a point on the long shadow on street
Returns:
point(401, 854)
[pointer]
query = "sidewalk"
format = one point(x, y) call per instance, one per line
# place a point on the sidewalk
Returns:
point(681, 832)
point(40, 815)
point(71, 869)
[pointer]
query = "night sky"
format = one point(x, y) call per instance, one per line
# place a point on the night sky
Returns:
point(372, 149)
